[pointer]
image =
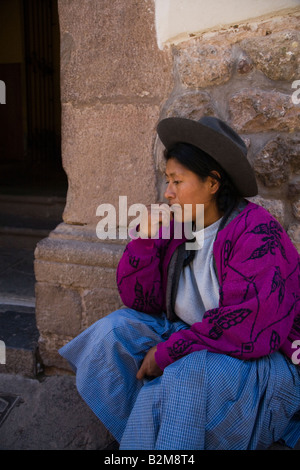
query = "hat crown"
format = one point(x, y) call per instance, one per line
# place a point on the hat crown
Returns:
point(222, 128)
point(217, 139)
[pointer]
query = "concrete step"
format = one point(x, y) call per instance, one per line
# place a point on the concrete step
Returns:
point(19, 336)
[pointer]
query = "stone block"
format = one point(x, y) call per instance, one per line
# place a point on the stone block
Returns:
point(192, 105)
point(201, 64)
point(277, 55)
point(58, 309)
point(271, 163)
point(107, 153)
point(294, 188)
point(294, 234)
point(296, 209)
point(256, 110)
point(97, 303)
point(76, 285)
point(274, 206)
point(49, 344)
point(110, 52)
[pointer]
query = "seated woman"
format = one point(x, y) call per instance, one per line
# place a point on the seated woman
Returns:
point(202, 355)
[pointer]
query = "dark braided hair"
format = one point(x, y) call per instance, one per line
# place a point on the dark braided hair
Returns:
point(204, 165)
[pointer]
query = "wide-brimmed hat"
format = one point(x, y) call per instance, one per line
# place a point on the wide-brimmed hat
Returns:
point(218, 140)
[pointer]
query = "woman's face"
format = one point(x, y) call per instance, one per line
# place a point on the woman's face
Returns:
point(186, 187)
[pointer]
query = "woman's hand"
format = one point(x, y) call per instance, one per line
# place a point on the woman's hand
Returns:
point(149, 366)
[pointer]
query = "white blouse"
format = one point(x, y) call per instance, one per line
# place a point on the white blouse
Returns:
point(198, 289)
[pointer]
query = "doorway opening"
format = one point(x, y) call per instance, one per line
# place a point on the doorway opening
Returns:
point(30, 132)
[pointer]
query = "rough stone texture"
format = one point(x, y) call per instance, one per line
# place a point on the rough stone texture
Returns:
point(256, 110)
point(275, 207)
point(271, 163)
point(59, 309)
point(294, 234)
point(201, 64)
point(192, 105)
point(97, 303)
point(296, 209)
point(76, 285)
point(276, 55)
point(294, 188)
point(109, 53)
point(49, 415)
point(114, 80)
point(107, 153)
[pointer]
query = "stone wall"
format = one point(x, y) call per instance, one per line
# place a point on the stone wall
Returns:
point(114, 80)
point(244, 75)
point(116, 85)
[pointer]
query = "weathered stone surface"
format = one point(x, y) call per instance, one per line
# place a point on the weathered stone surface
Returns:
point(59, 309)
point(296, 209)
point(50, 415)
point(274, 206)
point(111, 52)
point(270, 163)
point(293, 151)
point(294, 188)
point(74, 275)
point(49, 345)
point(107, 153)
point(294, 234)
point(200, 64)
point(277, 55)
point(79, 252)
point(255, 110)
point(97, 303)
point(244, 64)
point(191, 105)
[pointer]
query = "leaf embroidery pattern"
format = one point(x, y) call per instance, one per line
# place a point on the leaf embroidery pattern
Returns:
point(227, 321)
point(226, 252)
point(278, 283)
point(143, 301)
point(274, 341)
point(180, 348)
point(272, 240)
point(134, 261)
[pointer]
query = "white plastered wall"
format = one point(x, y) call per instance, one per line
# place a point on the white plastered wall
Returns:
point(176, 20)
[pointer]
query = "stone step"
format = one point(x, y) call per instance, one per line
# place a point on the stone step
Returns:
point(19, 337)
point(24, 220)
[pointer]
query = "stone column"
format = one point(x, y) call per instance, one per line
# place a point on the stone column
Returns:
point(114, 80)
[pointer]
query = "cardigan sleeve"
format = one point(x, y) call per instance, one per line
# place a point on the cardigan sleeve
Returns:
point(139, 276)
point(259, 296)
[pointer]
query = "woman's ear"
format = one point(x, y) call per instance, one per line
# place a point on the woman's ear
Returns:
point(215, 182)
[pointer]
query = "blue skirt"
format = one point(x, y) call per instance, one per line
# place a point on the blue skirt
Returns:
point(202, 401)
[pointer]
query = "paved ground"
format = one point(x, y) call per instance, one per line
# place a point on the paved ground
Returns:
point(47, 415)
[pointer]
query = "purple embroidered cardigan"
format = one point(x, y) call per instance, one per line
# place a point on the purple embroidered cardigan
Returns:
point(259, 275)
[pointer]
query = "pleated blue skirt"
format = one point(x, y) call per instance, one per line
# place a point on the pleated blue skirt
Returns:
point(203, 401)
